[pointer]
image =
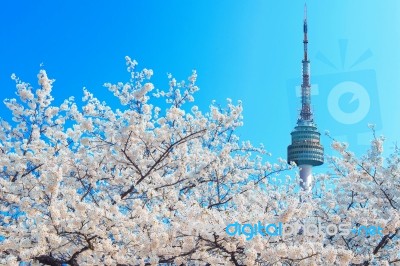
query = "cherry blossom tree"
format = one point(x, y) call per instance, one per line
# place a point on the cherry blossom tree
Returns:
point(89, 184)
point(366, 192)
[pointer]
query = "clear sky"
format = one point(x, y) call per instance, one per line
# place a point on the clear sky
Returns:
point(243, 50)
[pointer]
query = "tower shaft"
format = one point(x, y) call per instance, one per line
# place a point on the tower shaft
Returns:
point(305, 176)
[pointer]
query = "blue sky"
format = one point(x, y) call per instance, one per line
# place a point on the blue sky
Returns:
point(243, 50)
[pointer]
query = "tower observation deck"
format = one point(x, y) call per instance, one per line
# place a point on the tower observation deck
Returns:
point(306, 150)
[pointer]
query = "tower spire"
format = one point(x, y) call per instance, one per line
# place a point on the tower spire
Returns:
point(305, 41)
point(305, 114)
